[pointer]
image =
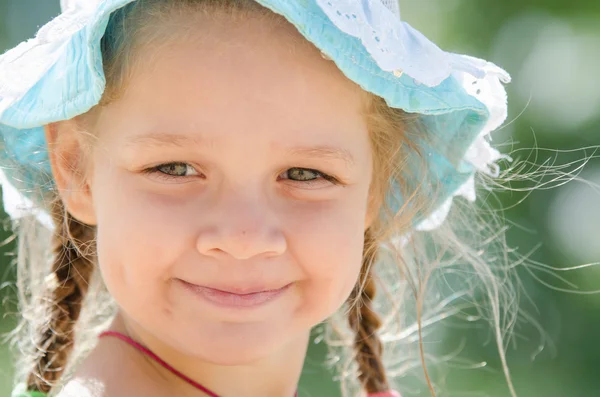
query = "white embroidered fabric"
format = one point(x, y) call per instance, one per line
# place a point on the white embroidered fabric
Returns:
point(393, 6)
point(489, 91)
point(394, 44)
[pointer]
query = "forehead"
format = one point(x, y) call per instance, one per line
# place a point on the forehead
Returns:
point(217, 72)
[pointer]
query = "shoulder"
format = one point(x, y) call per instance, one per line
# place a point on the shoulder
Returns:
point(93, 387)
point(111, 372)
point(80, 387)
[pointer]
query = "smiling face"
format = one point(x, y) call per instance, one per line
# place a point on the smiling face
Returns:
point(238, 160)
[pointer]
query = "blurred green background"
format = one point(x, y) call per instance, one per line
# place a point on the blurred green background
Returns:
point(552, 50)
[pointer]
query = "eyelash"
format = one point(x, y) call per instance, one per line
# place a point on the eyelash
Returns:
point(157, 173)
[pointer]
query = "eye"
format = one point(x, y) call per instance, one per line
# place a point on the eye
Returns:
point(172, 171)
point(302, 174)
point(308, 177)
point(177, 169)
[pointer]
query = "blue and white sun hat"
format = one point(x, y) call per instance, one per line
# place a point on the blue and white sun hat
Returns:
point(459, 99)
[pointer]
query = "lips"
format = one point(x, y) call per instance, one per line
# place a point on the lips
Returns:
point(236, 297)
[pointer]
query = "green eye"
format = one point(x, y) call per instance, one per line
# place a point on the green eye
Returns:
point(303, 174)
point(177, 169)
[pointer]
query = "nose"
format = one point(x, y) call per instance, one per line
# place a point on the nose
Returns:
point(241, 227)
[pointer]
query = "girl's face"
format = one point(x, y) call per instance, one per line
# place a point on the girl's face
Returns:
point(237, 162)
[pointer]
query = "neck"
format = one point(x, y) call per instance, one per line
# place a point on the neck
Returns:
point(276, 374)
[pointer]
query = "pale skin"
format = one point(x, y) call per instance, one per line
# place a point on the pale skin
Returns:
point(242, 207)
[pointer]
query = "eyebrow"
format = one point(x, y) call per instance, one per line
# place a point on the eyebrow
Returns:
point(165, 139)
point(320, 152)
point(161, 139)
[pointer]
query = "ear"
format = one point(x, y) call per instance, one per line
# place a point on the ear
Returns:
point(68, 154)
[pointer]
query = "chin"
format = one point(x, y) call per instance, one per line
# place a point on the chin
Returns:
point(237, 344)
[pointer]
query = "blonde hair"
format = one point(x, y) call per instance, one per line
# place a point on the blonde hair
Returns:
point(58, 325)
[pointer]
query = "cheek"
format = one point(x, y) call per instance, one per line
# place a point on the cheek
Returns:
point(139, 240)
point(327, 243)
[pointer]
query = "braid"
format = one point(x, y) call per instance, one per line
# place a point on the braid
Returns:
point(366, 322)
point(72, 270)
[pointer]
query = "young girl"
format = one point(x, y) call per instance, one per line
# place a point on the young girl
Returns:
point(218, 177)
